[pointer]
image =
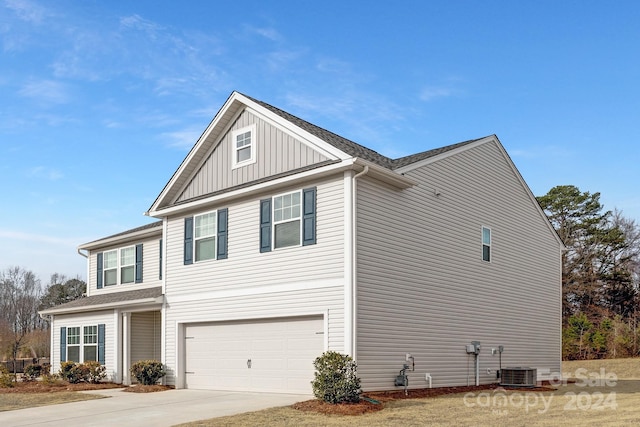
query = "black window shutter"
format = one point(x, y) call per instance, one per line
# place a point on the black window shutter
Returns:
point(63, 343)
point(99, 277)
point(101, 349)
point(223, 222)
point(139, 263)
point(188, 240)
point(160, 273)
point(309, 216)
point(265, 225)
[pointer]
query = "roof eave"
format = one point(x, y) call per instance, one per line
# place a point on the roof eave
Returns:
point(136, 235)
point(117, 304)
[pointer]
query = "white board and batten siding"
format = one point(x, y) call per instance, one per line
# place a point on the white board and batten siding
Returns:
point(150, 267)
point(80, 320)
point(284, 283)
point(423, 288)
point(277, 152)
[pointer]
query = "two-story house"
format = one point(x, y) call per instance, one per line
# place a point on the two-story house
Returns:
point(277, 240)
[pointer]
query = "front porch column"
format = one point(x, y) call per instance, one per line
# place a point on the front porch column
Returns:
point(126, 348)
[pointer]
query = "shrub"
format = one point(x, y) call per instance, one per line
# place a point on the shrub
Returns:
point(6, 379)
point(74, 373)
point(97, 372)
point(31, 372)
point(335, 378)
point(148, 372)
point(50, 379)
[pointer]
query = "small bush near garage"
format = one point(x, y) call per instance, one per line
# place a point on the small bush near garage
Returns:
point(97, 372)
point(335, 378)
point(148, 372)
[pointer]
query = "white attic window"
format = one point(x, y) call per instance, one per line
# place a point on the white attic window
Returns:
point(243, 146)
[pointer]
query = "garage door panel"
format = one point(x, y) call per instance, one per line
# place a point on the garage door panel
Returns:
point(281, 353)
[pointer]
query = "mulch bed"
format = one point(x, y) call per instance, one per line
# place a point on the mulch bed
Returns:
point(40, 387)
point(383, 397)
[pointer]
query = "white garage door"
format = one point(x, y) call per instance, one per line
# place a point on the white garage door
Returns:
point(259, 355)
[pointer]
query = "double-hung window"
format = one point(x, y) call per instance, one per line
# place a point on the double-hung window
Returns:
point(288, 220)
point(73, 344)
point(486, 244)
point(111, 268)
point(90, 343)
point(127, 264)
point(205, 236)
point(244, 146)
point(119, 266)
point(83, 343)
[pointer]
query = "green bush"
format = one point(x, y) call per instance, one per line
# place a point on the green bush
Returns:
point(335, 378)
point(148, 372)
point(74, 373)
point(32, 372)
point(97, 372)
point(6, 379)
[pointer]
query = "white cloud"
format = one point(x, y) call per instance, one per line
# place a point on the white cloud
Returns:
point(38, 238)
point(184, 139)
point(46, 91)
point(44, 172)
point(27, 11)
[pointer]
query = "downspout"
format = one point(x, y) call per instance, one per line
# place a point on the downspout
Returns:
point(352, 294)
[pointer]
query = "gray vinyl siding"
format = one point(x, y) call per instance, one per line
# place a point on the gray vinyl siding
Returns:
point(145, 336)
point(85, 319)
point(277, 152)
point(288, 282)
point(150, 267)
point(422, 287)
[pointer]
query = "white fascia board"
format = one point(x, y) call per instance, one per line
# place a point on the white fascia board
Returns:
point(136, 235)
point(97, 307)
point(444, 155)
point(264, 186)
point(195, 150)
point(388, 176)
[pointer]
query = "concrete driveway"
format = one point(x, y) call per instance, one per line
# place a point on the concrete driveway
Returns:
point(165, 408)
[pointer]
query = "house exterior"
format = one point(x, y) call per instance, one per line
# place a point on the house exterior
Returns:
point(277, 240)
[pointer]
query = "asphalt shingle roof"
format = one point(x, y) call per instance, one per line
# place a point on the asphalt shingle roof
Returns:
point(113, 297)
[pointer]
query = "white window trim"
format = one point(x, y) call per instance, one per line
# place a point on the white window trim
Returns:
point(490, 244)
point(81, 345)
point(274, 222)
point(234, 149)
point(119, 266)
point(215, 235)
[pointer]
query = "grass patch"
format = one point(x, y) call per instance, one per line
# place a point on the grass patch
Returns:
point(571, 404)
point(12, 401)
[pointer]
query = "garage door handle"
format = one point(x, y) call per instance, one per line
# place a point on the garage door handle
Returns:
point(249, 363)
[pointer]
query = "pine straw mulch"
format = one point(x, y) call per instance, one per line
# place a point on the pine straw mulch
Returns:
point(42, 387)
point(383, 397)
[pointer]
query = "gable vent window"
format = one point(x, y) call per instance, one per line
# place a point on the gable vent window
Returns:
point(244, 146)
point(486, 244)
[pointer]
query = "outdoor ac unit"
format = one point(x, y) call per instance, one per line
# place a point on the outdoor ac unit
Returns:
point(518, 377)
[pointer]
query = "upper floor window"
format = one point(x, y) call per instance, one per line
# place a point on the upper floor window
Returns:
point(205, 236)
point(244, 146)
point(288, 220)
point(119, 266)
point(486, 244)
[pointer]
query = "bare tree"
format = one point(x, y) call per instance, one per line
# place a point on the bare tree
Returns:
point(20, 293)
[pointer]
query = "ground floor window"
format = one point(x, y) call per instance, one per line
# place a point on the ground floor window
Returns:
point(82, 343)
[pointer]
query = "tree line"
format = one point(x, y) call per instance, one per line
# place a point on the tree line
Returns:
point(23, 333)
point(600, 275)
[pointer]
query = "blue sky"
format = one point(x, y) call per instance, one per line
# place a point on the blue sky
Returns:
point(101, 100)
